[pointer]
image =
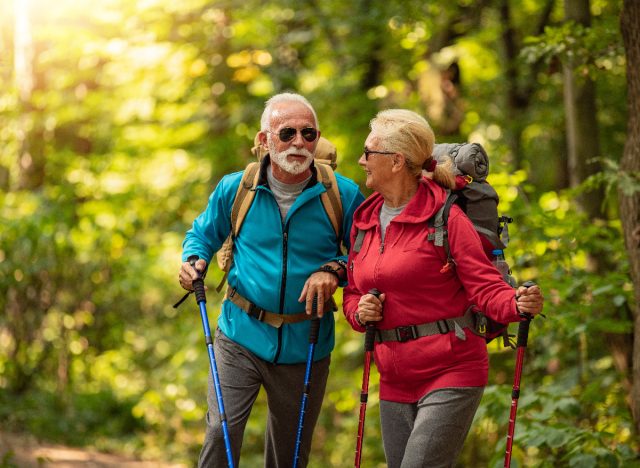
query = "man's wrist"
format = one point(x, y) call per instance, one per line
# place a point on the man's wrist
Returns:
point(336, 267)
point(329, 269)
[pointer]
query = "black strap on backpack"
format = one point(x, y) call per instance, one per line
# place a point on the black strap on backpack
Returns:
point(440, 235)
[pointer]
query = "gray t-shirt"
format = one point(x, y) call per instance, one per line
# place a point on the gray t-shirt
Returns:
point(387, 213)
point(285, 194)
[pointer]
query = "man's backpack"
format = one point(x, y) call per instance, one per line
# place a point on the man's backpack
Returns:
point(479, 200)
point(325, 160)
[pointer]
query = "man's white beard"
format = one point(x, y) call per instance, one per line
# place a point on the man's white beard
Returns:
point(292, 167)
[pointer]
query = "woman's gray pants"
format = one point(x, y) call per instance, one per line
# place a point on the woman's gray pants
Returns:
point(241, 376)
point(431, 432)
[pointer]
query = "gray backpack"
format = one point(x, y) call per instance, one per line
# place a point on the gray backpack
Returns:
point(479, 200)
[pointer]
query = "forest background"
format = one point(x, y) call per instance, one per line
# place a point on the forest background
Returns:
point(118, 117)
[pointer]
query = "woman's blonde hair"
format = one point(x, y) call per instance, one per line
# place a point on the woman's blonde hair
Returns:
point(406, 132)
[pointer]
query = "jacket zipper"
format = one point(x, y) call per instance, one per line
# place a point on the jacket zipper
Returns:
point(376, 269)
point(382, 239)
point(285, 237)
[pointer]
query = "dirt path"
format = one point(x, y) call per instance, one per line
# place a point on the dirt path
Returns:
point(23, 451)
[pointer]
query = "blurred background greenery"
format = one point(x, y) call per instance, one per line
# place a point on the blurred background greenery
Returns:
point(118, 117)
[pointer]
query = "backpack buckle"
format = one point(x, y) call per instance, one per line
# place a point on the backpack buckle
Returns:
point(256, 312)
point(406, 333)
point(443, 327)
point(481, 324)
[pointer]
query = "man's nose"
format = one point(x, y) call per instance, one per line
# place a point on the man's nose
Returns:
point(298, 141)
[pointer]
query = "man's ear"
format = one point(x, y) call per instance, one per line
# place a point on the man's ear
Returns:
point(262, 137)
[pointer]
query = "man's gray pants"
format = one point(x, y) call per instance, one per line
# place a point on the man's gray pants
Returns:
point(431, 432)
point(241, 376)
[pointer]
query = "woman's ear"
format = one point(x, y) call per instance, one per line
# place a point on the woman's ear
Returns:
point(399, 162)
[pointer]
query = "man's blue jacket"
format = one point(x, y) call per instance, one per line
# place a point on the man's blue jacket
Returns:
point(272, 259)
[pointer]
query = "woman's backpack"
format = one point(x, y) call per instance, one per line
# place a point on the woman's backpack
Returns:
point(479, 200)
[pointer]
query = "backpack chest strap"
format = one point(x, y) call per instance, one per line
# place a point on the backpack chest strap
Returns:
point(439, 327)
point(272, 318)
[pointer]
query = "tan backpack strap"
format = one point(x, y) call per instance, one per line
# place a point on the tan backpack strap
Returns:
point(224, 278)
point(244, 196)
point(241, 204)
point(331, 198)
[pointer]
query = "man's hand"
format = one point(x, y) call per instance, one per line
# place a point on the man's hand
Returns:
point(188, 273)
point(321, 284)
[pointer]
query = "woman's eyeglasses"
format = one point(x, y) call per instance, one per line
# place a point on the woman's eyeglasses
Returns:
point(367, 152)
point(288, 133)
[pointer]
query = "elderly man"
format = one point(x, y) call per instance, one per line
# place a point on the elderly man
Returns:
point(286, 255)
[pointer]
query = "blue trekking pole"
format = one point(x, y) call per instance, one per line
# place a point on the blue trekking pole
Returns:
point(201, 299)
point(313, 340)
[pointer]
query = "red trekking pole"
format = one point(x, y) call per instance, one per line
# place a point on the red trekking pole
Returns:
point(369, 338)
point(523, 338)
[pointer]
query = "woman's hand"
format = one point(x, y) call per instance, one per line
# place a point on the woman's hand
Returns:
point(369, 308)
point(529, 300)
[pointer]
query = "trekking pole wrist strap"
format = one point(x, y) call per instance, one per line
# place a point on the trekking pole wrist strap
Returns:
point(184, 298)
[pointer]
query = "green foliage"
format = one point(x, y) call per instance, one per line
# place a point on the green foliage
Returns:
point(588, 49)
point(139, 108)
point(572, 409)
point(613, 177)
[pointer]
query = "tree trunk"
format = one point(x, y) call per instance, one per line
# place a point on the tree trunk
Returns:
point(519, 83)
point(630, 164)
point(516, 103)
point(30, 134)
point(583, 144)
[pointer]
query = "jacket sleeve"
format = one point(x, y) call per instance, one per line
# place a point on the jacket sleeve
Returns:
point(350, 294)
point(213, 225)
point(481, 280)
point(351, 198)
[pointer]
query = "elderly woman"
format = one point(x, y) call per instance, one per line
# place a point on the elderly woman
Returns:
point(432, 376)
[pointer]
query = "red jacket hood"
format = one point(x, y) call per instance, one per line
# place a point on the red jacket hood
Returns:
point(426, 202)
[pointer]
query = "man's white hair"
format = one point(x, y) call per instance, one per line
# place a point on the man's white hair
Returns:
point(280, 98)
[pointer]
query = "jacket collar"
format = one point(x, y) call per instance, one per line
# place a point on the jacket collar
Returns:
point(424, 204)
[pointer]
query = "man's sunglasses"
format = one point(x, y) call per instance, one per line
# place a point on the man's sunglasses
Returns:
point(367, 152)
point(288, 133)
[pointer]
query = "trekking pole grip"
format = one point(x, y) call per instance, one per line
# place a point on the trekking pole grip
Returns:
point(198, 284)
point(314, 328)
point(370, 333)
point(523, 327)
